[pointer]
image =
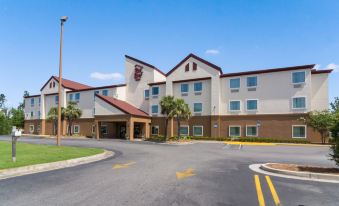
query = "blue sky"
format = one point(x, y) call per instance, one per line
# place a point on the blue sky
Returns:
point(235, 35)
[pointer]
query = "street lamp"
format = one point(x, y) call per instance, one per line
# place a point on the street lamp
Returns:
point(63, 19)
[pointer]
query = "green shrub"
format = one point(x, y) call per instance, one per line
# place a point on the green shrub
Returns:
point(254, 139)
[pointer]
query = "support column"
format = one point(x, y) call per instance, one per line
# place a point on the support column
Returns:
point(147, 130)
point(43, 127)
point(97, 129)
point(130, 129)
point(170, 128)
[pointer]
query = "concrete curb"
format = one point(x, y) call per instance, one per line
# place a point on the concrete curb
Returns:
point(54, 137)
point(310, 175)
point(31, 169)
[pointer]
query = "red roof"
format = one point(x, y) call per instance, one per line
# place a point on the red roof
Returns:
point(123, 106)
point(68, 84)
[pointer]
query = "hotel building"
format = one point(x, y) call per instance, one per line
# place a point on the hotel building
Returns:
point(263, 103)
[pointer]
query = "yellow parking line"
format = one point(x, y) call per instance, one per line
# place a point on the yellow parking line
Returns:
point(273, 191)
point(259, 191)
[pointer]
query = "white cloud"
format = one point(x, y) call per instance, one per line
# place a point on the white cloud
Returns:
point(115, 76)
point(212, 51)
point(333, 66)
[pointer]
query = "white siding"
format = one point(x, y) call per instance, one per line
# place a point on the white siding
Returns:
point(103, 108)
point(320, 92)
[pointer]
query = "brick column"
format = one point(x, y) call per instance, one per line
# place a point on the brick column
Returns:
point(97, 129)
point(43, 127)
point(215, 131)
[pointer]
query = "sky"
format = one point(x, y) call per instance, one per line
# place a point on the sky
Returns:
point(235, 35)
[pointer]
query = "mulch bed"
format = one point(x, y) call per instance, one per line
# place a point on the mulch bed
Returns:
point(304, 168)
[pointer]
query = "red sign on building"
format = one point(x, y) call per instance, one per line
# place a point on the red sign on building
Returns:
point(137, 72)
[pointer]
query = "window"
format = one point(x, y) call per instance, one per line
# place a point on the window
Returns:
point(155, 130)
point(298, 77)
point(76, 129)
point(146, 93)
point(195, 66)
point(184, 88)
point(197, 86)
point(31, 128)
point(251, 131)
point(299, 131)
point(235, 105)
point(155, 91)
point(39, 100)
point(104, 129)
point(251, 105)
point(187, 67)
point(198, 130)
point(32, 102)
point(299, 103)
point(235, 83)
point(234, 131)
point(50, 85)
point(252, 81)
point(53, 84)
point(32, 114)
point(71, 97)
point(155, 109)
point(77, 97)
point(184, 130)
point(39, 114)
point(197, 107)
point(96, 92)
point(56, 99)
point(105, 92)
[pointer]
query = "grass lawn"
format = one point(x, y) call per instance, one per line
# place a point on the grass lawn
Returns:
point(29, 154)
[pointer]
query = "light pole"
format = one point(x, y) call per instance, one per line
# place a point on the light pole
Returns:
point(63, 19)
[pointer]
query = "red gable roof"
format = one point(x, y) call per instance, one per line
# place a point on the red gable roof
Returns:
point(69, 84)
point(197, 58)
point(123, 106)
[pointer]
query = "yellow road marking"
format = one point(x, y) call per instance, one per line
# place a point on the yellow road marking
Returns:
point(273, 191)
point(259, 191)
point(121, 166)
point(250, 143)
point(186, 173)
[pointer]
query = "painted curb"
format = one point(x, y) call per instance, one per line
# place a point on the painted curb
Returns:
point(310, 175)
point(31, 169)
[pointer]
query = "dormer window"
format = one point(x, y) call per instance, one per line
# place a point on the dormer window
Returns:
point(187, 67)
point(50, 85)
point(53, 84)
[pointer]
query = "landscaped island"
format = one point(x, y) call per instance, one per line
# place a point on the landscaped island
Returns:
point(30, 154)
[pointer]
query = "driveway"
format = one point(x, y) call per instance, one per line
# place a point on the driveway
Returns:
point(153, 174)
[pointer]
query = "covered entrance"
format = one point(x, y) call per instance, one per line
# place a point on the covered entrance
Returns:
point(116, 119)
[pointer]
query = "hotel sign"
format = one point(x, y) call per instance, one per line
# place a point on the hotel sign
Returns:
point(137, 72)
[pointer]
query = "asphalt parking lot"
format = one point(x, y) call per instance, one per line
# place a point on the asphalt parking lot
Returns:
point(153, 174)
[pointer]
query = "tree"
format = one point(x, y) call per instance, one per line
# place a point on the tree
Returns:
point(17, 117)
point(72, 112)
point(335, 105)
point(5, 126)
point(22, 104)
point(167, 104)
point(321, 121)
point(334, 149)
point(53, 116)
point(2, 101)
point(181, 112)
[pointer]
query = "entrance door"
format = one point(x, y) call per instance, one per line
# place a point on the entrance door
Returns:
point(122, 131)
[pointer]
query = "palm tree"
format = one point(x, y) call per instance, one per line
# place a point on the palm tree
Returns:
point(53, 116)
point(167, 105)
point(72, 112)
point(181, 112)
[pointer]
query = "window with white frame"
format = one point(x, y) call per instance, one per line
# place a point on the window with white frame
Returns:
point(155, 91)
point(198, 130)
point(235, 83)
point(197, 107)
point(252, 81)
point(31, 128)
point(56, 99)
point(32, 114)
point(234, 105)
point(299, 131)
point(32, 102)
point(77, 97)
point(184, 88)
point(184, 130)
point(146, 94)
point(76, 129)
point(251, 105)
point(155, 130)
point(299, 103)
point(251, 130)
point(104, 129)
point(105, 92)
point(71, 97)
point(298, 77)
point(39, 101)
point(198, 87)
point(234, 131)
point(155, 109)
